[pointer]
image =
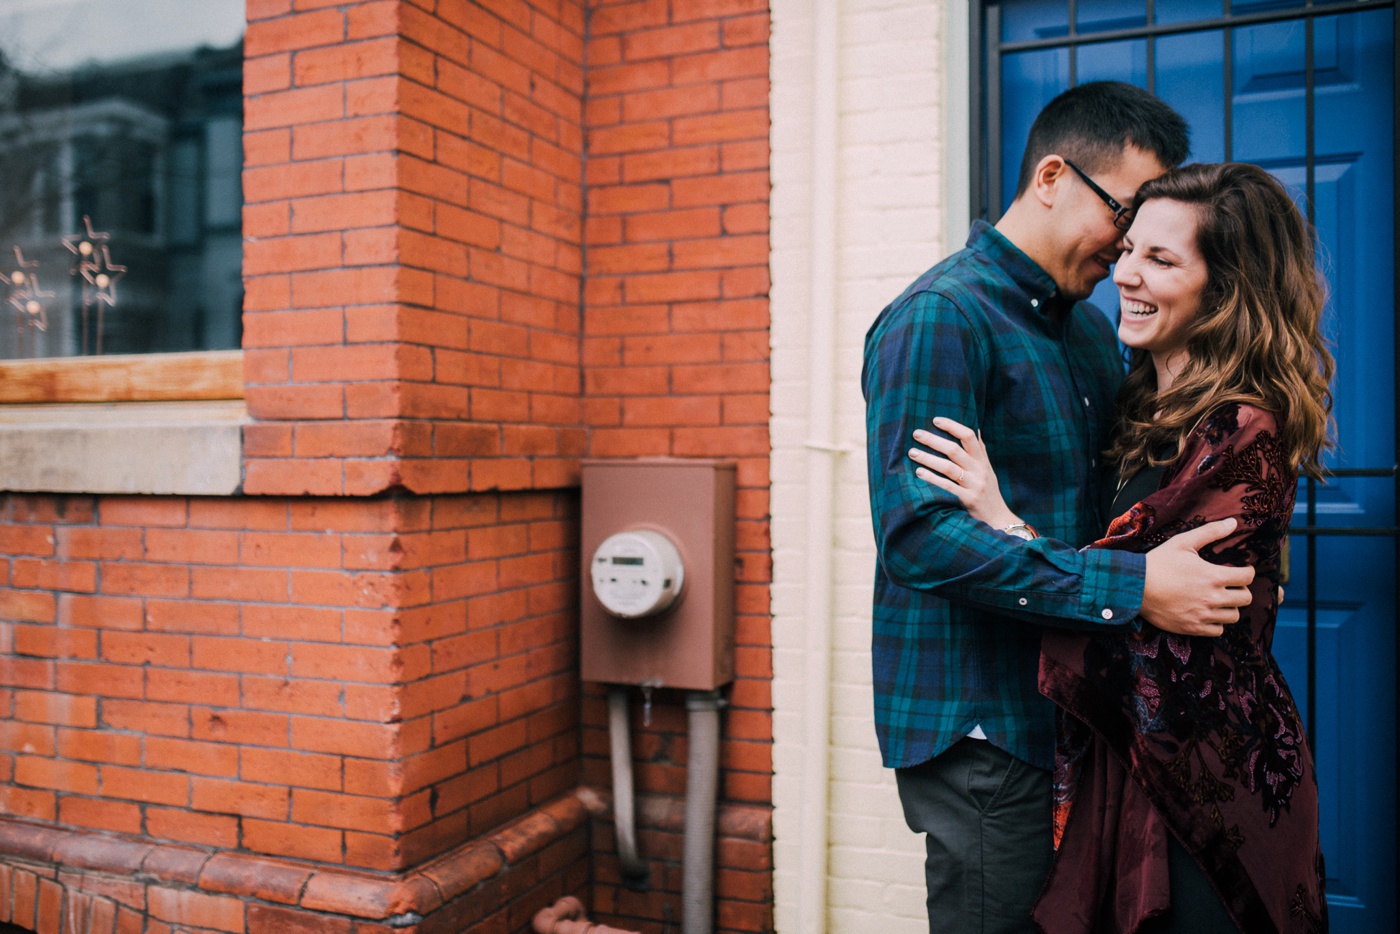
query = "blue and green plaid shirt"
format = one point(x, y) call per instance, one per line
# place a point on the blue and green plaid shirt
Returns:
point(983, 338)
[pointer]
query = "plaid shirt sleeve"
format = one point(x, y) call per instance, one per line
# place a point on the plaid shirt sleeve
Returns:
point(976, 339)
point(928, 356)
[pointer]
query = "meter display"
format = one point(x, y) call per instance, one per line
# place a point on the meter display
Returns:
point(637, 573)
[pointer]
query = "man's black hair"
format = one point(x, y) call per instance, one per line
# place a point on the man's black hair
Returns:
point(1091, 125)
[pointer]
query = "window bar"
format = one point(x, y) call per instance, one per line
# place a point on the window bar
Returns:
point(994, 141)
point(1311, 537)
point(1226, 21)
point(981, 128)
point(1073, 47)
point(1227, 47)
point(1309, 121)
point(1395, 168)
point(1151, 48)
point(1353, 532)
point(1310, 193)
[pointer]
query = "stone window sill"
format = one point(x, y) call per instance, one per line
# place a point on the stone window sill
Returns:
point(182, 448)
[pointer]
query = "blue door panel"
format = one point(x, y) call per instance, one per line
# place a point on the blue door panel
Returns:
point(1270, 98)
point(1184, 64)
point(1333, 645)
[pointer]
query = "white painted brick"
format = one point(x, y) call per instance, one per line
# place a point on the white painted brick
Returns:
point(856, 834)
point(889, 229)
point(858, 894)
point(853, 802)
point(875, 864)
point(848, 922)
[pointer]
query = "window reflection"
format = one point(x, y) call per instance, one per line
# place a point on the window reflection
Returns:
point(120, 128)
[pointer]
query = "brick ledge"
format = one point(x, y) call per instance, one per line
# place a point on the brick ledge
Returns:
point(357, 894)
point(354, 893)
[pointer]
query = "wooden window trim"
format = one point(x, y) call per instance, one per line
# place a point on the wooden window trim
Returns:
point(164, 377)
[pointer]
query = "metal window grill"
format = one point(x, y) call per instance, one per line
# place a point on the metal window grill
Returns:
point(1314, 529)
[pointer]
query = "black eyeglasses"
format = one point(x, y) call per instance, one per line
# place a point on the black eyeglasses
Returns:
point(1122, 216)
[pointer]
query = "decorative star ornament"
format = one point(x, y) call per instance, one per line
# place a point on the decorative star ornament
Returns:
point(29, 301)
point(16, 276)
point(85, 245)
point(101, 277)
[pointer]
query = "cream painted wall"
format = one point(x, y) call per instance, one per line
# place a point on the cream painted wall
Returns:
point(868, 96)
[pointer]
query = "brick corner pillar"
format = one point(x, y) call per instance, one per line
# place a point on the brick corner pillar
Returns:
point(413, 247)
point(345, 700)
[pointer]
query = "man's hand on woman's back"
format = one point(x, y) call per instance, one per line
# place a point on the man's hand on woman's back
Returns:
point(1186, 594)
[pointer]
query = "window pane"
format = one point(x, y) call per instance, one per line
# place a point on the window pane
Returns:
point(1103, 15)
point(223, 182)
point(1029, 80)
point(1113, 61)
point(1186, 11)
point(1191, 77)
point(1033, 19)
point(120, 159)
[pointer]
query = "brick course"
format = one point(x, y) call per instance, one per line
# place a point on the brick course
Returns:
point(256, 700)
point(482, 241)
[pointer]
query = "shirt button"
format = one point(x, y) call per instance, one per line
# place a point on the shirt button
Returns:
point(1022, 601)
point(1093, 462)
point(1086, 402)
point(1108, 614)
point(1035, 303)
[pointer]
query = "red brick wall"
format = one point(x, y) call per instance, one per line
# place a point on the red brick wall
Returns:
point(358, 682)
point(676, 362)
point(413, 218)
point(433, 335)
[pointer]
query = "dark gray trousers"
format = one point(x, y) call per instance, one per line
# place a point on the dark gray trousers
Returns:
point(987, 817)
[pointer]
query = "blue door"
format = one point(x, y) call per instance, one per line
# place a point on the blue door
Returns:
point(1306, 90)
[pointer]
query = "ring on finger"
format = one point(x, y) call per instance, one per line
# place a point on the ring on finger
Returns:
point(961, 474)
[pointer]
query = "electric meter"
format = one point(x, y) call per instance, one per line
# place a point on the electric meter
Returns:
point(637, 573)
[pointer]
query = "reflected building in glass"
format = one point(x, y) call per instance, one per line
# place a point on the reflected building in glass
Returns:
point(148, 147)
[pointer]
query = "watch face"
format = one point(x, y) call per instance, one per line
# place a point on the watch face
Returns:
point(1021, 532)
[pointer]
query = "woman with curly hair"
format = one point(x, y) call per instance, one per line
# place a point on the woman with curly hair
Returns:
point(1185, 793)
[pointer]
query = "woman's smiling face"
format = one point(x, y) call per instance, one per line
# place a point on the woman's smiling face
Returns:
point(1160, 276)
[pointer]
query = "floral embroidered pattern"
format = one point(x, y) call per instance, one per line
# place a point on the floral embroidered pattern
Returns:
point(1206, 727)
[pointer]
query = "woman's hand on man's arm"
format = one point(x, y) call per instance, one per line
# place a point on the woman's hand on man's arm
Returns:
point(961, 466)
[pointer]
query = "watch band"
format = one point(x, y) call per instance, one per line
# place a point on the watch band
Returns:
point(1022, 530)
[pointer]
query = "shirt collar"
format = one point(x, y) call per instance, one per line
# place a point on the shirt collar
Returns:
point(1044, 294)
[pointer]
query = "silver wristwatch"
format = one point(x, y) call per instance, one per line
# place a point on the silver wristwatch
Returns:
point(1022, 530)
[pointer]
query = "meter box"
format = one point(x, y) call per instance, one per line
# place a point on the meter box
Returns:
point(658, 573)
point(637, 573)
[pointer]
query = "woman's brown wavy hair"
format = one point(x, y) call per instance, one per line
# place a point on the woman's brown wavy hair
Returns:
point(1257, 337)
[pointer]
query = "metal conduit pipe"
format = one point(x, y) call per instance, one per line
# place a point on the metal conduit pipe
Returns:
point(566, 916)
point(823, 453)
point(701, 801)
point(634, 868)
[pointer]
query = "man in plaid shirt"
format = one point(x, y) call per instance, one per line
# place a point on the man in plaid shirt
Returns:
point(997, 337)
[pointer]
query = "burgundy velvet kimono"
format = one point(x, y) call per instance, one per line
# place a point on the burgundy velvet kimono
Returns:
point(1198, 736)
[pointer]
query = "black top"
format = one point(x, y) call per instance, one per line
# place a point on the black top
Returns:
point(1138, 487)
